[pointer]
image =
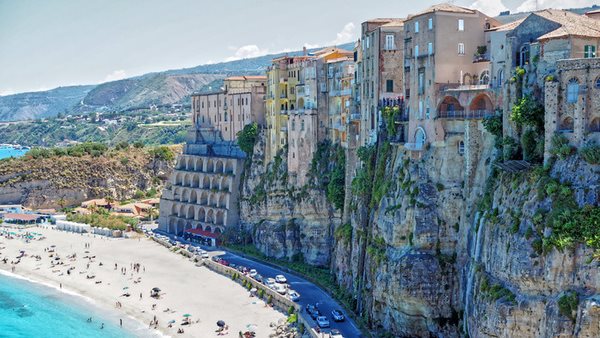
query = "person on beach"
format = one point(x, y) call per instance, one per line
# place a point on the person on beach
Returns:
point(140, 296)
point(121, 322)
point(102, 326)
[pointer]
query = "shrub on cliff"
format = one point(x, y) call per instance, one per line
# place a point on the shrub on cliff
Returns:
point(591, 154)
point(528, 112)
point(246, 138)
point(567, 305)
point(560, 146)
point(162, 153)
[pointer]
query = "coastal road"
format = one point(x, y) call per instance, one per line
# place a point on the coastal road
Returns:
point(309, 292)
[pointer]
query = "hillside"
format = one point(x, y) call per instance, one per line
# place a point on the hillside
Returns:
point(65, 180)
point(161, 89)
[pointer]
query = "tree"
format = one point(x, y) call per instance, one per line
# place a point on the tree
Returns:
point(246, 138)
point(527, 111)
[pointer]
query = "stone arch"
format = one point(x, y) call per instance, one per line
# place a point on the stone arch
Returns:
point(229, 168)
point(191, 212)
point(420, 136)
point(189, 164)
point(573, 90)
point(201, 214)
point(198, 164)
point(220, 217)
point(214, 182)
point(178, 179)
point(449, 107)
point(185, 195)
point(219, 166)
point(567, 124)
point(193, 197)
point(188, 225)
point(172, 227)
point(524, 53)
point(195, 181)
point(210, 216)
point(181, 211)
point(186, 180)
point(208, 228)
point(203, 198)
point(180, 227)
point(180, 162)
point(211, 199)
point(210, 166)
point(481, 102)
point(595, 125)
point(206, 182)
point(218, 230)
point(484, 79)
point(226, 184)
point(174, 210)
point(222, 201)
point(467, 78)
point(177, 193)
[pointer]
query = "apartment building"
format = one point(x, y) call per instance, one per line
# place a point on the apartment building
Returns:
point(446, 72)
point(379, 68)
point(340, 74)
point(228, 110)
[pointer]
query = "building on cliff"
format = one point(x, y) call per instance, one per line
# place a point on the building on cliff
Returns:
point(201, 198)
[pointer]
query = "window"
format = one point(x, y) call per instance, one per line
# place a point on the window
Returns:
point(416, 51)
point(293, 125)
point(500, 77)
point(421, 81)
point(225, 114)
point(302, 125)
point(430, 48)
point(389, 86)
point(389, 42)
point(461, 24)
point(572, 91)
point(420, 109)
point(416, 26)
point(597, 83)
point(484, 79)
point(461, 49)
point(589, 51)
point(430, 23)
point(427, 110)
point(461, 148)
point(524, 55)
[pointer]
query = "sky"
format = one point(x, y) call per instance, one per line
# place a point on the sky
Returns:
point(51, 43)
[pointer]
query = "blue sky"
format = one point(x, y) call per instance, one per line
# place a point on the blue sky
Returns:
point(50, 43)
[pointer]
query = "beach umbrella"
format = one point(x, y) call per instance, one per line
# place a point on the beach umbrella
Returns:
point(172, 321)
point(220, 323)
point(187, 315)
point(156, 289)
point(126, 287)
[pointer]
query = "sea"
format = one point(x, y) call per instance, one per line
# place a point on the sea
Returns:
point(29, 309)
point(7, 151)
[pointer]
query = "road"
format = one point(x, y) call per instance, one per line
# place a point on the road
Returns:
point(309, 292)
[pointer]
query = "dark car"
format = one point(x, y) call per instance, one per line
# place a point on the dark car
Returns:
point(337, 316)
point(316, 313)
point(259, 278)
point(309, 308)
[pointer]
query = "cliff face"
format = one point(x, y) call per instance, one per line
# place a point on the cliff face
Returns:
point(285, 221)
point(66, 180)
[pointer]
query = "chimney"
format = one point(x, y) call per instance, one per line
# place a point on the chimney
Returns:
point(304, 50)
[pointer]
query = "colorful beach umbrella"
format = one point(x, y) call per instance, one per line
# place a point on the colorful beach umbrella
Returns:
point(187, 315)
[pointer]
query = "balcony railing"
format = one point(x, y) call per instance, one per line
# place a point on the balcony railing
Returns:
point(481, 57)
point(414, 146)
point(462, 114)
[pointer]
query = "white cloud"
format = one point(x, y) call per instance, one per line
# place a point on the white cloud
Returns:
point(310, 45)
point(489, 7)
point(116, 75)
point(530, 5)
point(346, 35)
point(5, 92)
point(248, 51)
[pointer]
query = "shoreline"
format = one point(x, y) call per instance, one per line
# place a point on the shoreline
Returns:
point(76, 297)
point(173, 273)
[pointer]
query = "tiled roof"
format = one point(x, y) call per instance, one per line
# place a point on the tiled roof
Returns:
point(571, 24)
point(445, 7)
point(507, 27)
point(394, 23)
point(247, 77)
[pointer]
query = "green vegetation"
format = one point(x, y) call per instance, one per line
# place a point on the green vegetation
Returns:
point(560, 147)
point(567, 305)
point(163, 153)
point(496, 291)
point(344, 233)
point(88, 148)
point(590, 153)
point(328, 172)
point(102, 219)
point(381, 183)
point(389, 115)
point(246, 138)
point(511, 149)
point(532, 144)
point(377, 249)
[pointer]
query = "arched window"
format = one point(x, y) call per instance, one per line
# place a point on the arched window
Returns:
point(572, 90)
point(500, 77)
point(597, 83)
point(461, 148)
point(420, 137)
point(467, 79)
point(595, 125)
point(524, 55)
point(567, 125)
point(484, 79)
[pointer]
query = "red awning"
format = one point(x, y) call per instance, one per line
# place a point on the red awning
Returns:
point(203, 233)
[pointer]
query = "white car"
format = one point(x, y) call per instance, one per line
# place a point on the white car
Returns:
point(280, 279)
point(270, 282)
point(253, 273)
point(294, 296)
point(204, 254)
point(280, 288)
point(322, 321)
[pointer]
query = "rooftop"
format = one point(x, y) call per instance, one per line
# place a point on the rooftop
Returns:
point(22, 217)
point(445, 7)
point(571, 24)
point(247, 78)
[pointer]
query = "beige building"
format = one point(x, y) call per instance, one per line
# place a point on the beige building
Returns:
point(446, 73)
point(240, 102)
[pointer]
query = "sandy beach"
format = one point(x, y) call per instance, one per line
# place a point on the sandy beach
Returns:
point(184, 288)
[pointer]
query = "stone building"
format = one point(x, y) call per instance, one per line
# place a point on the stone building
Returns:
point(446, 73)
point(572, 103)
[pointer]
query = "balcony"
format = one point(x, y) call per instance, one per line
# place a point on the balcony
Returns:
point(284, 129)
point(465, 115)
point(481, 57)
point(355, 117)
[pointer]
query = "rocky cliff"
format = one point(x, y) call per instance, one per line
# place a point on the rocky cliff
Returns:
point(68, 180)
point(285, 221)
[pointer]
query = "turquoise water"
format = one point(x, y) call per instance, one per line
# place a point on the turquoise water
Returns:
point(32, 310)
point(6, 152)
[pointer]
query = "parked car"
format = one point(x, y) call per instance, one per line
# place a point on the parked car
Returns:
point(280, 279)
point(322, 321)
point(204, 254)
point(309, 308)
point(259, 279)
point(253, 273)
point(294, 296)
point(315, 314)
point(270, 282)
point(337, 316)
point(335, 333)
point(280, 288)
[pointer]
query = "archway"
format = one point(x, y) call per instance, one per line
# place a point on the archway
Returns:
point(467, 78)
point(187, 180)
point(420, 137)
point(174, 210)
point(172, 227)
point(595, 125)
point(450, 107)
point(220, 217)
point(567, 124)
point(206, 182)
point(185, 196)
point(178, 179)
point(190, 212)
point(210, 216)
point(189, 164)
point(218, 230)
point(203, 198)
point(208, 228)
point(481, 105)
point(193, 197)
point(199, 165)
point(300, 103)
point(484, 79)
point(177, 194)
point(180, 226)
point(219, 166)
point(214, 183)
point(222, 201)
point(201, 216)
point(210, 166)
point(195, 181)
point(181, 212)
point(229, 167)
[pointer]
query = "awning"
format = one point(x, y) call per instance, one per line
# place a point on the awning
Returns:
point(202, 233)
